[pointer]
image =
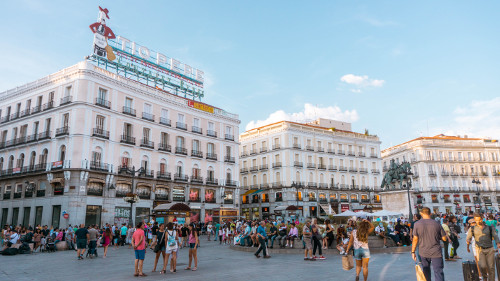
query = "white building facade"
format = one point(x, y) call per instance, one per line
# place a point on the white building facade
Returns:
point(69, 141)
point(321, 168)
point(451, 173)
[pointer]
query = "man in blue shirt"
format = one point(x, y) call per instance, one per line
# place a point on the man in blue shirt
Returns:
point(262, 236)
point(247, 241)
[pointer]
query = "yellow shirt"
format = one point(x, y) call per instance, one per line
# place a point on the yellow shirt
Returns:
point(446, 229)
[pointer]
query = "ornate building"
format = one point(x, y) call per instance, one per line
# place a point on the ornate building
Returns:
point(451, 173)
point(320, 167)
point(71, 142)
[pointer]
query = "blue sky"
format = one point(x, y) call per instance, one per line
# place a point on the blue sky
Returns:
point(399, 69)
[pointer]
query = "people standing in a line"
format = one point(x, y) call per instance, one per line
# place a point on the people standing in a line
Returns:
point(359, 241)
point(307, 236)
point(107, 237)
point(139, 244)
point(193, 241)
point(428, 234)
point(262, 236)
point(316, 240)
point(159, 244)
point(171, 246)
point(484, 235)
point(81, 238)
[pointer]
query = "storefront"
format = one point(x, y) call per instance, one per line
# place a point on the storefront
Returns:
point(93, 215)
point(226, 214)
point(172, 212)
point(245, 212)
point(122, 215)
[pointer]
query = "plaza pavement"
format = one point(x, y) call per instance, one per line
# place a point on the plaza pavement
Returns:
point(216, 262)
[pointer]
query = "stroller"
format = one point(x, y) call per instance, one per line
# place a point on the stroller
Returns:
point(92, 251)
point(48, 245)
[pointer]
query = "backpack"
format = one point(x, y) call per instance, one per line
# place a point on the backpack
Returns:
point(171, 242)
point(457, 228)
point(491, 231)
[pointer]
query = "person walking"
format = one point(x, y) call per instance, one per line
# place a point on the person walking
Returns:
point(427, 234)
point(81, 237)
point(193, 241)
point(446, 243)
point(484, 235)
point(139, 244)
point(123, 234)
point(359, 241)
point(159, 242)
point(209, 230)
point(307, 236)
point(93, 235)
point(262, 236)
point(316, 240)
point(107, 237)
point(172, 246)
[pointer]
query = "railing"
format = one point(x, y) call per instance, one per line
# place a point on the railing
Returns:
point(363, 170)
point(197, 130)
point(353, 170)
point(253, 151)
point(229, 159)
point(276, 147)
point(99, 166)
point(331, 151)
point(373, 156)
point(375, 171)
point(17, 195)
point(298, 164)
point(147, 173)
point(244, 170)
point(311, 184)
point(296, 146)
point(332, 168)
point(341, 152)
point(228, 201)
point(322, 166)
point(127, 139)
point(180, 150)
point(147, 143)
point(94, 191)
point(48, 105)
point(100, 133)
point(277, 165)
point(263, 149)
point(62, 131)
point(163, 175)
point(351, 153)
point(28, 193)
point(211, 156)
point(231, 183)
point(432, 173)
point(309, 147)
point(165, 121)
point(164, 147)
point(44, 135)
point(180, 177)
point(103, 103)
point(161, 196)
point(148, 116)
point(36, 109)
point(342, 168)
point(196, 153)
point(25, 112)
point(129, 111)
point(229, 137)
point(180, 125)
point(59, 190)
point(321, 149)
point(254, 168)
point(66, 100)
point(6, 195)
point(124, 170)
point(323, 185)
point(276, 184)
point(211, 133)
point(361, 154)
point(211, 181)
point(311, 165)
point(122, 192)
point(196, 179)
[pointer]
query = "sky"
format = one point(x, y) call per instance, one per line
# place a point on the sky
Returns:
point(400, 69)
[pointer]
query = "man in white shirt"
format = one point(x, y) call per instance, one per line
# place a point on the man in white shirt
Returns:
point(14, 237)
point(380, 232)
point(209, 230)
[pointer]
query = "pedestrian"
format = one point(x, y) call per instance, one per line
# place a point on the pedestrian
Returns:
point(209, 230)
point(217, 227)
point(172, 246)
point(116, 237)
point(328, 236)
point(316, 240)
point(123, 234)
point(159, 244)
point(262, 236)
point(448, 240)
point(359, 241)
point(93, 234)
point(81, 238)
point(454, 235)
point(307, 237)
point(139, 244)
point(130, 232)
point(193, 240)
point(483, 235)
point(427, 234)
point(107, 237)
point(184, 231)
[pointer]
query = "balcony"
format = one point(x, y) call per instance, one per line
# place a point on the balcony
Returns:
point(6, 118)
point(309, 148)
point(127, 139)
point(375, 171)
point(48, 105)
point(432, 173)
point(17, 195)
point(180, 125)
point(342, 169)
point(99, 166)
point(353, 170)
point(129, 111)
point(340, 152)
point(276, 147)
point(148, 116)
point(147, 143)
point(277, 165)
point(321, 149)
point(254, 168)
point(145, 173)
point(351, 153)
point(212, 133)
point(180, 177)
point(363, 170)
point(311, 166)
point(25, 112)
point(94, 191)
point(35, 109)
point(229, 159)
point(163, 175)
point(40, 193)
point(444, 173)
point(63, 131)
point(231, 183)
point(6, 195)
point(229, 137)
point(276, 184)
point(100, 133)
point(243, 170)
point(164, 147)
point(165, 121)
point(66, 100)
point(196, 153)
point(331, 151)
point(44, 135)
point(212, 156)
point(361, 154)
point(161, 196)
point(321, 166)
point(263, 149)
point(323, 185)
point(122, 192)
point(298, 164)
point(197, 179)
point(103, 103)
point(211, 181)
point(312, 184)
point(373, 156)
point(296, 146)
point(363, 200)
point(253, 151)
point(28, 193)
point(181, 150)
point(197, 130)
point(332, 168)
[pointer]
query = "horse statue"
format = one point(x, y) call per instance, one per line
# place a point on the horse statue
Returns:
point(394, 174)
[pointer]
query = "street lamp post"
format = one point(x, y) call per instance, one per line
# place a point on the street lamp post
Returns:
point(133, 198)
point(477, 182)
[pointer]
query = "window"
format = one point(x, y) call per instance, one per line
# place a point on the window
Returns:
point(180, 142)
point(128, 102)
point(47, 124)
point(62, 153)
point(196, 145)
point(67, 91)
point(196, 122)
point(228, 151)
point(43, 157)
point(65, 120)
point(127, 129)
point(51, 96)
point(96, 157)
point(146, 133)
point(36, 125)
point(210, 148)
point(180, 118)
point(99, 122)
point(148, 108)
point(164, 138)
point(39, 101)
point(102, 95)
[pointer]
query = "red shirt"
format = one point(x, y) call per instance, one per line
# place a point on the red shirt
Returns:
point(138, 233)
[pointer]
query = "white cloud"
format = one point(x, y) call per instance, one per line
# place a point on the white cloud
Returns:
point(478, 119)
point(361, 81)
point(310, 112)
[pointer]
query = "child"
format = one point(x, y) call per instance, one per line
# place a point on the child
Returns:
point(343, 246)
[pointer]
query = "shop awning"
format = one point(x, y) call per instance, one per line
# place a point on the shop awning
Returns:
point(97, 180)
point(258, 191)
point(249, 192)
point(172, 207)
point(280, 208)
point(292, 208)
point(57, 180)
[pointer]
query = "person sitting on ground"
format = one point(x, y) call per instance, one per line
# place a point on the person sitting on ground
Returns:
point(380, 232)
point(341, 233)
point(393, 234)
point(342, 246)
point(292, 234)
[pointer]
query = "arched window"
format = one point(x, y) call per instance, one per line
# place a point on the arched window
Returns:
point(311, 177)
point(254, 180)
point(32, 160)
point(229, 175)
point(20, 161)
point(179, 168)
point(62, 153)
point(278, 177)
point(11, 162)
point(342, 180)
point(145, 162)
point(245, 181)
point(163, 166)
point(43, 157)
point(321, 178)
point(211, 174)
point(210, 148)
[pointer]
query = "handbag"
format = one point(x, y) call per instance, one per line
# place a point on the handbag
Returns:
point(347, 262)
point(159, 244)
point(420, 272)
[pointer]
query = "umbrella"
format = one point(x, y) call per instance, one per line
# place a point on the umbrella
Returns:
point(346, 214)
point(385, 213)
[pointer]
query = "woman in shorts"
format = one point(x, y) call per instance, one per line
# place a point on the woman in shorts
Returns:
point(359, 241)
point(193, 246)
point(171, 246)
point(160, 244)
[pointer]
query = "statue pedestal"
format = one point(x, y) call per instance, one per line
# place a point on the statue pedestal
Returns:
point(397, 201)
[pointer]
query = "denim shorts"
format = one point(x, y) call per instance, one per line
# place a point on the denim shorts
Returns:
point(361, 253)
point(140, 254)
point(191, 245)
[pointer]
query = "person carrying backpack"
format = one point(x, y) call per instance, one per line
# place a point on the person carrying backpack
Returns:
point(483, 235)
